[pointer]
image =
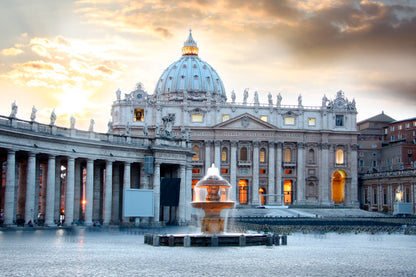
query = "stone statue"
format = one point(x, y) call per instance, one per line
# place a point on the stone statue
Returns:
point(128, 128)
point(118, 93)
point(233, 96)
point(353, 104)
point(139, 86)
point(256, 97)
point(269, 96)
point(33, 114)
point(145, 130)
point(183, 132)
point(279, 99)
point(91, 129)
point(245, 96)
point(72, 121)
point(324, 100)
point(300, 100)
point(14, 110)
point(189, 134)
point(168, 122)
point(185, 95)
point(110, 126)
point(157, 129)
point(53, 117)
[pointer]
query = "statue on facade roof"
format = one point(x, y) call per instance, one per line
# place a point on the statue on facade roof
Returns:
point(256, 97)
point(300, 100)
point(72, 121)
point(118, 94)
point(269, 96)
point(279, 99)
point(110, 126)
point(128, 128)
point(91, 129)
point(233, 96)
point(245, 96)
point(14, 110)
point(324, 100)
point(145, 130)
point(53, 117)
point(183, 132)
point(33, 114)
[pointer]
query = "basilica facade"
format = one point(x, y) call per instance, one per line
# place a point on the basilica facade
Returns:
point(271, 153)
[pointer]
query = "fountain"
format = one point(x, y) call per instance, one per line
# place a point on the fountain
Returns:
point(212, 195)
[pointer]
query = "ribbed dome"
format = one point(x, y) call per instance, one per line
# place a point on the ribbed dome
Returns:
point(191, 75)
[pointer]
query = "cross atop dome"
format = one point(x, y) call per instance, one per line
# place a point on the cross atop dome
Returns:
point(190, 47)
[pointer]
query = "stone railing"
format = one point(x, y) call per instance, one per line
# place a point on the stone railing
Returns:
point(394, 173)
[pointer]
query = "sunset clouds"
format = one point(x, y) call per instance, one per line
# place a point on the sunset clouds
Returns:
point(90, 48)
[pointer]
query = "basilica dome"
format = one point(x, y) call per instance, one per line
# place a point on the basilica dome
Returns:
point(190, 78)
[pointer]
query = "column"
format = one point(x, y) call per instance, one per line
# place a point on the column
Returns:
point(182, 194)
point(324, 178)
point(89, 192)
point(271, 173)
point(69, 194)
point(217, 159)
point(300, 173)
point(207, 155)
point(50, 191)
point(156, 191)
point(354, 177)
point(233, 170)
point(126, 184)
point(108, 190)
point(115, 203)
point(256, 158)
point(279, 174)
point(9, 194)
point(30, 188)
point(188, 192)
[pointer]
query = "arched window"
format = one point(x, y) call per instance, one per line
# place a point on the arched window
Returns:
point(224, 155)
point(243, 191)
point(262, 155)
point(311, 156)
point(196, 156)
point(243, 154)
point(339, 156)
point(288, 155)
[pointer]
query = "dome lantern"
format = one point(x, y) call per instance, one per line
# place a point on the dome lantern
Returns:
point(190, 47)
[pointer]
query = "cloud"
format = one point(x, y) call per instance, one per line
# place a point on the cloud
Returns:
point(11, 51)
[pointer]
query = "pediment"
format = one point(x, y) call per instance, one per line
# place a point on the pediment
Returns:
point(245, 121)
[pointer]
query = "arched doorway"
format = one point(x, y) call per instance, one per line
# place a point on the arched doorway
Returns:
point(338, 186)
point(262, 198)
point(288, 192)
point(243, 191)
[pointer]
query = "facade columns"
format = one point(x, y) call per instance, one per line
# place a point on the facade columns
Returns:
point(50, 191)
point(256, 157)
point(233, 170)
point(300, 197)
point(9, 194)
point(207, 155)
point(279, 174)
point(126, 183)
point(182, 194)
point(156, 191)
point(89, 192)
point(69, 194)
point(30, 188)
point(108, 191)
point(324, 178)
point(354, 172)
point(271, 180)
point(188, 191)
point(217, 159)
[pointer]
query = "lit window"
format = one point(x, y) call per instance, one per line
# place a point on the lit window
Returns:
point(195, 170)
point(262, 171)
point(225, 117)
point(339, 120)
point(262, 156)
point(196, 156)
point(289, 121)
point(400, 127)
point(197, 118)
point(263, 117)
point(288, 155)
point(339, 156)
point(311, 122)
point(224, 155)
point(288, 171)
point(224, 170)
point(385, 131)
point(138, 114)
point(414, 123)
point(407, 125)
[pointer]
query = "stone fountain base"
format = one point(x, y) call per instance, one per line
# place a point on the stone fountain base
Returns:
point(201, 240)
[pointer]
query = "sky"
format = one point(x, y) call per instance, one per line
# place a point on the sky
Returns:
point(72, 56)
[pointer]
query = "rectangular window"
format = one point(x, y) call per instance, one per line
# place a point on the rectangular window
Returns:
point(311, 122)
point(385, 131)
point(195, 170)
point(224, 170)
point(289, 121)
point(197, 118)
point(375, 197)
point(225, 117)
point(400, 127)
point(414, 123)
point(138, 114)
point(339, 120)
point(392, 138)
point(262, 171)
point(262, 156)
point(263, 117)
point(374, 163)
point(407, 125)
point(361, 163)
point(392, 128)
point(288, 171)
point(385, 197)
